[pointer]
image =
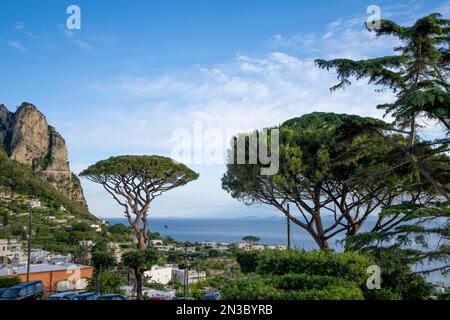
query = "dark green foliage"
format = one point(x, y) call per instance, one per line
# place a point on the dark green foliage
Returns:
point(40, 164)
point(6, 282)
point(103, 260)
point(110, 282)
point(418, 73)
point(251, 239)
point(18, 231)
point(331, 293)
point(291, 287)
point(76, 236)
point(304, 281)
point(135, 181)
point(348, 266)
point(118, 228)
point(5, 220)
point(144, 167)
point(322, 156)
point(81, 227)
point(247, 260)
point(250, 288)
point(214, 253)
point(140, 261)
point(21, 179)
point(382, 294)
point(299, 275)
point(397, 276)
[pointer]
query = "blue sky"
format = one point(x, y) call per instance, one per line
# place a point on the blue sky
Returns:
point(138, 70)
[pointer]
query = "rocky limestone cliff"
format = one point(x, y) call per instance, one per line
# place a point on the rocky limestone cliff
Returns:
point(28, 139)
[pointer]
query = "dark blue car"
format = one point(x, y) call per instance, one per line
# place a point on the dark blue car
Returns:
point(32, 290)
point(64, 296)
point(88, 296)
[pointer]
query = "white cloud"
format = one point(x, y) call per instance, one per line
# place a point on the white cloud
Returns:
point(19, 26)
point(139, 112)
point(70, 35)
point(340, 38)
point(243, 94)
point(16, 44)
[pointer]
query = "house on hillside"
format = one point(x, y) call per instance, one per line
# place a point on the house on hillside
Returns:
point(193, 275)
point(10, 250)
point(159, 274)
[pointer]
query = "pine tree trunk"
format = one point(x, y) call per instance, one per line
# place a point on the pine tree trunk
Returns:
point(97, 280)
point(138, 285)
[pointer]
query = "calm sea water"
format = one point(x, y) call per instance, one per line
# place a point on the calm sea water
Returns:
point(271, 230)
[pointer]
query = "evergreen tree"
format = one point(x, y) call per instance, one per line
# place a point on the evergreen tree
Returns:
point(5, 218)
point(419, 74)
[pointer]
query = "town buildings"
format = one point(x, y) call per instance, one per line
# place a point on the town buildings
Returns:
point(193, 275)
point(159, 274)
point(55, 277)
point(10, 250)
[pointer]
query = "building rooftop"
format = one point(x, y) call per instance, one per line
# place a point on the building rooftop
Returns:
point(43, 267)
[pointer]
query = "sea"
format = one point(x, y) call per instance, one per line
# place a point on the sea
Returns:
point(270, 229)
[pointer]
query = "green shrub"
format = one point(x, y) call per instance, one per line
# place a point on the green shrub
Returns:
point(350, 266)
point(9, 282)
point(110, 282)
point(308, 282)
point(20, 178)
point(118, 228)
point(382, 294)
point(251, 288)
point(18, 231)
point(331, 293)
point(247, 260)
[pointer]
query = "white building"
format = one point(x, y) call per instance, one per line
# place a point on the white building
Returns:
point(276, 247)
point(10, 249)
point(164, 248)
point(188, 249)
point(96, 227)
point(159, 274)
point(33, 203)
point(155, 242)
point(209, 245)
point(194, 276)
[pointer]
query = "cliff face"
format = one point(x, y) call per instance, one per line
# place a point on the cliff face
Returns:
point(28, 139)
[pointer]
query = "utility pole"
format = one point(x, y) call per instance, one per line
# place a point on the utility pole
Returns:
point(29, 246)
point(288, 221)
point(186, 273)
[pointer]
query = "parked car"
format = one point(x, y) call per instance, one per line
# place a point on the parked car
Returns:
point(112, 297)
point(185, 298)
point(32, 290)
point(211, 296)
point(88, 296)
point(64, 296)
point(159, 298)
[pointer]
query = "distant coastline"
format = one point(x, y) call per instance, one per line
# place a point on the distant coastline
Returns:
point(271, 230)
